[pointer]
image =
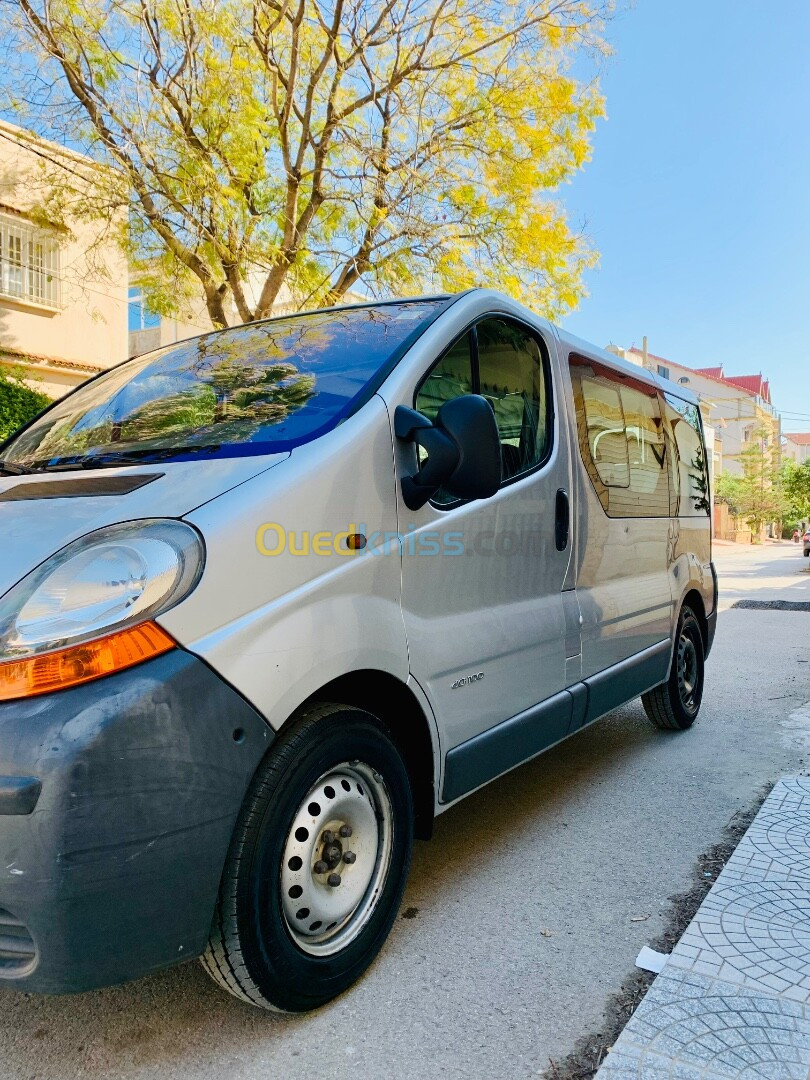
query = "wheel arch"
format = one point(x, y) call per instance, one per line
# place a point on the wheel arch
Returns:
point(692, 599)
point(395, 703)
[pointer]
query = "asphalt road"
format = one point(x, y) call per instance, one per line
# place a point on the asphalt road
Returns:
point(523, 902)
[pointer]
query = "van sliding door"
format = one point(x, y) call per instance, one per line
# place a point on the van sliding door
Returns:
point(623, 557)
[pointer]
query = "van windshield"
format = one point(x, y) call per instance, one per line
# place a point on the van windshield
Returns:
point(256, 389)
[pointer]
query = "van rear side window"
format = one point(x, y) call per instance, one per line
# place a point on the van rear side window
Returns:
point(690, 478)
point(646, 448)
point(607, 442)
point(622, 440)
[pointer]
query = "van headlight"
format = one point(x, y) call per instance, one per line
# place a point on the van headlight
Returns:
point(102, 583)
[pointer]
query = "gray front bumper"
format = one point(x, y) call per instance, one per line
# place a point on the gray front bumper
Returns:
point(118, 800)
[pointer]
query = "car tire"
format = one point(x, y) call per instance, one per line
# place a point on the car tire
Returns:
point(674, 705)
point(317, 865)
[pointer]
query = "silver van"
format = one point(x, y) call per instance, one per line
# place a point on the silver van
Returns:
point(274, 597)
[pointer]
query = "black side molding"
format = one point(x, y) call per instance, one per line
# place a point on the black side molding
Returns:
point(627, 679)
point(521, 737)
point(493, 752)
point(82, 487)
point(18, 795)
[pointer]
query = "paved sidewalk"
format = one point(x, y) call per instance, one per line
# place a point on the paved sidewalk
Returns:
point(733, 999)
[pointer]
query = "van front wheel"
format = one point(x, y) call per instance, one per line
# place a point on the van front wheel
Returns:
point(317, 865)
point(675, 704)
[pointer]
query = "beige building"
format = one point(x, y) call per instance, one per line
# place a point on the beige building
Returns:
point(67, 306)
point(63, 290)
point(796, 446)
point(148, 331)
point(734, 407)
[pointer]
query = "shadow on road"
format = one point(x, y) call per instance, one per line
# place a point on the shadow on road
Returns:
point(170, 1018)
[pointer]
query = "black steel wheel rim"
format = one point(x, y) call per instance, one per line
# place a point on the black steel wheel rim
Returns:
point(688, 673)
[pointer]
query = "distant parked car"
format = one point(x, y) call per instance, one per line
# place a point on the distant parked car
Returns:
point(806, 544)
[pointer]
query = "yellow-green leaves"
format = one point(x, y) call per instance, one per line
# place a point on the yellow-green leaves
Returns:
point(298, 150)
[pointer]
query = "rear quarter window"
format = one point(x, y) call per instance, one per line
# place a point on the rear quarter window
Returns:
point(690, 475)
point(621, 439)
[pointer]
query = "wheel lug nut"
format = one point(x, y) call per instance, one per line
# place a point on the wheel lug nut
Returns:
point(345, 830)
point(320, 867)
point(328, 836)
point(349, 857)
point(333, 880)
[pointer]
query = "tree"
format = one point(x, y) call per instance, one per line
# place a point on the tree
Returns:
point(305, 145)
point(757, 495)
point(730, 490)
point(18, 403)
point(795, 481)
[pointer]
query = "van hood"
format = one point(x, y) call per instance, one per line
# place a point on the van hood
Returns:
point(42, 512)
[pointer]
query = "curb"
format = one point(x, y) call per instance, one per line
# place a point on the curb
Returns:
point(733, 999)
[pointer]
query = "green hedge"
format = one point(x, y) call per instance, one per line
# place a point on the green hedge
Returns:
point(18, 404)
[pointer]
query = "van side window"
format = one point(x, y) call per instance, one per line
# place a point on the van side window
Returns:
point(604, 419)
point(506, 363)
point(646, 449)
point(450, 378)
point(512, 375)
point(689, 471)
point(621, 439)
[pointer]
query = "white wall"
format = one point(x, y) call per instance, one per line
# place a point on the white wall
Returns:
point(798, 452)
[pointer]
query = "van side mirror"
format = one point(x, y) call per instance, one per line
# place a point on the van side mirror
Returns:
point(463, 450)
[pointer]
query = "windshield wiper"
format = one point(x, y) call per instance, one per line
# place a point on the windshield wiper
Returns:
point(111, 458)
point(107, 460)
point(147, 456)
point(11, 468)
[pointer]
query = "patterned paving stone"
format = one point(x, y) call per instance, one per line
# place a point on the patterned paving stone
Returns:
point(783, 819)
point(628, 1062)
point(790, 789)
point(734, 998)
point(689, 1027)
point(778, 843)
point(753, 932)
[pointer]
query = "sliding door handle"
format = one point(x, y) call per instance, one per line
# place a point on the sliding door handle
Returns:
point(562, 520)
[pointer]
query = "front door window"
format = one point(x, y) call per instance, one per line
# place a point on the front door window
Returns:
point(507, 364)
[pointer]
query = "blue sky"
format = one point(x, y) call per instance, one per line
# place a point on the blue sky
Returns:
point(698, 193)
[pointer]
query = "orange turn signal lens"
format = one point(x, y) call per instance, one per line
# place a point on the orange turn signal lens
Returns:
point(81, 663)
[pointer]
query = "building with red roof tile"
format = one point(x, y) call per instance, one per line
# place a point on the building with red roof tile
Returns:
point(796, 446)
point(737, 407)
